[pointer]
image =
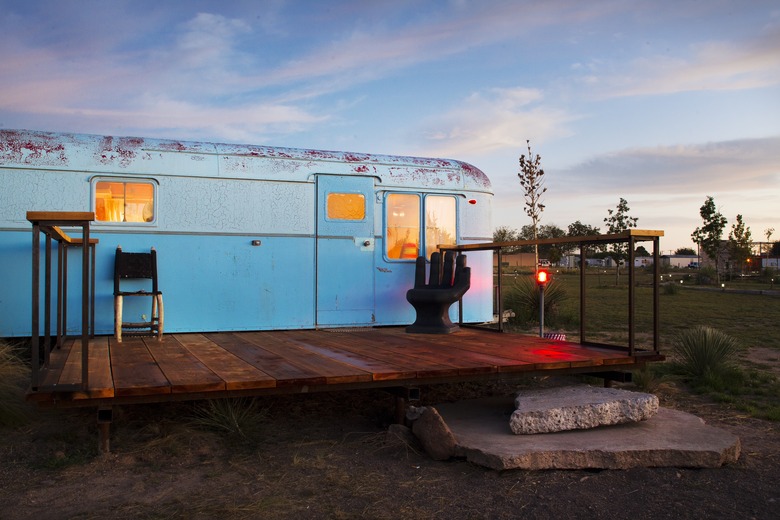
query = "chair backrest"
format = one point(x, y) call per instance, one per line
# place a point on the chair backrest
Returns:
point(135, 266)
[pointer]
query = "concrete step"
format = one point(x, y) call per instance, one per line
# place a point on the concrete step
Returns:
point(578, 407)
point(479, 431)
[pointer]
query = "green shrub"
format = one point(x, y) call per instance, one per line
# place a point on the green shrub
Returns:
point(671, 288)
point(707, 356)
point(14, 375)
point(523, 298)
point(706, 276)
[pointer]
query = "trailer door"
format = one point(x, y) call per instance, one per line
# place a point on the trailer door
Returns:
point(345, 250)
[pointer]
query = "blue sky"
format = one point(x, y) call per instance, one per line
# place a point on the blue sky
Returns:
point(662, 103)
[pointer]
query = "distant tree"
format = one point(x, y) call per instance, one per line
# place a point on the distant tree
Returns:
point(506, 234)
point(641, 251)
point(708, 237)
point(775, 252)
point(618, 220)
point(578, 229)
point(740, 243)
point(532, 180)
point(552, 252)
point(685, 251)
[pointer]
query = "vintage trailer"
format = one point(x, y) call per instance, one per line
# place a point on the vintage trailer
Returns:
point(247, 237)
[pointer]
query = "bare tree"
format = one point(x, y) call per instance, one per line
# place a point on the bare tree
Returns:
point(532, 180)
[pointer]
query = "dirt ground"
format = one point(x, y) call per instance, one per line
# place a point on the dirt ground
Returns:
point(329, 456)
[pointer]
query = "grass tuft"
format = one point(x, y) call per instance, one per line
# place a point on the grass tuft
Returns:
point(240, 418)
point(14, 374)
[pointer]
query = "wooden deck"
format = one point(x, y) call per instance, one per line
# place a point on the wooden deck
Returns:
point(202, 366)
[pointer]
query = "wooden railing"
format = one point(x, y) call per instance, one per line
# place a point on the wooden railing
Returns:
point(50, 223)
point(631, 236)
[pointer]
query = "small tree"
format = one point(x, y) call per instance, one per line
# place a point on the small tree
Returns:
point(708, 237)
point(578, 229)
point(506, 234)
point(618, 220)
point(740, 243)
point(684, 251)
point(532, 180)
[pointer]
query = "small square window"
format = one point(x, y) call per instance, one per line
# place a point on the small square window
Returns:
point(120, 201)
point(346, 206)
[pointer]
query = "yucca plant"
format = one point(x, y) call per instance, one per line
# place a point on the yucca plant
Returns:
point(13, 375)
point(240, 417)
point(706, 355)
point(523, 298)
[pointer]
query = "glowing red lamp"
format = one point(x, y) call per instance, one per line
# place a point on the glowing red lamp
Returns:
point(542, 277)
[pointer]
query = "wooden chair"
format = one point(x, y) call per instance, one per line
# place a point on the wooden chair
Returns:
point(143, 267)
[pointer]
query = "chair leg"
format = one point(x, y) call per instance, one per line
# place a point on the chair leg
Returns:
point(160, 319)
point(118, 318)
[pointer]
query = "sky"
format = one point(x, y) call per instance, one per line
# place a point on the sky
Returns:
point(662, 103)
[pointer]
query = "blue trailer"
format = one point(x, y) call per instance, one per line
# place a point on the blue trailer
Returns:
point(247, 237)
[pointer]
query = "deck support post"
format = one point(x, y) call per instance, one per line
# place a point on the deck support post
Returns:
point(104, 417)
point(403, 395)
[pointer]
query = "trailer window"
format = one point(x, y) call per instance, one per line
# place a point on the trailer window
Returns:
point(403, 226)
point(440, 222)
point(346, 206)
point(119, 201)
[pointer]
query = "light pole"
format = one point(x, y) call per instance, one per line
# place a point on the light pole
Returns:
point(542, 277)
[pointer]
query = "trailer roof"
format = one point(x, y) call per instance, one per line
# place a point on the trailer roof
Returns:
point(28, 149)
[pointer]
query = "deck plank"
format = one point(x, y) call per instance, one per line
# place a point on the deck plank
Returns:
point(184, 371)
point(283, 371)
point(335, 372)
point(435, 352)
point(375, 347)
point(101, 382)
point(381, 368)
point(50, 374)
point(235, 372)
point(135, 371)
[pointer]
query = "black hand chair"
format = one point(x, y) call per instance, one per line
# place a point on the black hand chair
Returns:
point(445, 286)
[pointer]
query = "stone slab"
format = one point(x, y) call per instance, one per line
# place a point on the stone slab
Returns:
point(578, 407)
point(434, 435)
point(671, 438)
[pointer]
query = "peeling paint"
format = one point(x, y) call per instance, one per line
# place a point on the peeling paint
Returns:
point(125, 155)
point(32, 148)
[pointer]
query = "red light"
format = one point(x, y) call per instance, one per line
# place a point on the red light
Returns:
point(472, 201)
point(542, 277)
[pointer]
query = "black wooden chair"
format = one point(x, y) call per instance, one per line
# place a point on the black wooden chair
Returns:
point(446, 284)
point(143, 267)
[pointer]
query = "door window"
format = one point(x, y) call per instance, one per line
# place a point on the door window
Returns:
point(440, 223)
point(405, 220)
point(403, 226)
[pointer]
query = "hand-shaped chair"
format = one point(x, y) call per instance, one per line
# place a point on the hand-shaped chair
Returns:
point(432, 301)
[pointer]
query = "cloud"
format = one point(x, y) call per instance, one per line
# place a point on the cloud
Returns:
point(706, 66)
point(492, 120)
point(738, 165)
